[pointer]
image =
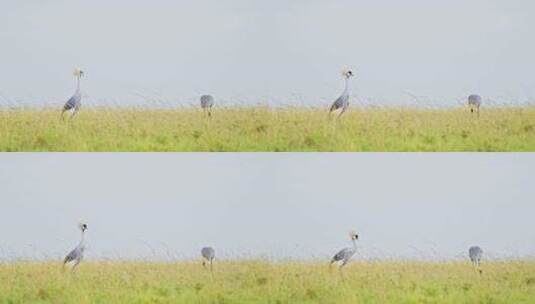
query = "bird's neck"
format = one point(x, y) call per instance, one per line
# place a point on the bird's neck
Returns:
point(354, 243)
point(78, 84)
point(82, 239)
point(346, 87)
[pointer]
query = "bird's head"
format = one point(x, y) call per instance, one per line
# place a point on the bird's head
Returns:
point(82, 226)
point(347, 73)
point(353, 235)
point(78, 72)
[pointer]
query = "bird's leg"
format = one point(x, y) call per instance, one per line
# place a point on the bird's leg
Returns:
point(331, 266)
point(329, 116)
point(61, 117)
point(476, 265)
point(341, 272)
point(211, 266)
point(209, 113)
point(342, 112)
point(76, 262)
point(74, 112)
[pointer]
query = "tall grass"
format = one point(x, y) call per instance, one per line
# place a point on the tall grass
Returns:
point(265, 129)
point(265, 282)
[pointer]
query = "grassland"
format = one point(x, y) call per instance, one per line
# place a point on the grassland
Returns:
point(264, 129)
point(264, 282)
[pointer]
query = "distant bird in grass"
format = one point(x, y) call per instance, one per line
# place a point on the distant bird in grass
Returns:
point(207, 102)
point(77, 254)
point(208, 254)
point(475, 253)
point(474, 102)
point(343, 256)
point(75, 102)
point(343, 101)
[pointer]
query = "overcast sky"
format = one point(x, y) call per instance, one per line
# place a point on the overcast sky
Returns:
point(265, 204)
point(274, 52)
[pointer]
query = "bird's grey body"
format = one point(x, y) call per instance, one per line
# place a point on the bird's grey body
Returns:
point(342, 102)
point(207, 102)
point(343, 256)
point(474, 102)
point(75, 102)
point(208, 253)
point(77, 254)
point(475, 253)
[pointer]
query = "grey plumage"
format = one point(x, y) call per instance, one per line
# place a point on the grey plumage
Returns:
point(75, 102)
point(207, 102)
point(475, 253)
point(77, 254)
point(474, 102)
point(208, 253)
point(343, 256)
point(342, 102)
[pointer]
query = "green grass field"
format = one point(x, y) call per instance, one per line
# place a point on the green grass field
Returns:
point(264, 129)
point(264, 282)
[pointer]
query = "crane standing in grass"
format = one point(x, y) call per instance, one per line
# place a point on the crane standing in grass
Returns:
point(207, 102)
point(77, 254)
point(75, 102)
point(475, 253)
point(474, 102)
point(343, 256)
point(343, 101)
point(208, 254)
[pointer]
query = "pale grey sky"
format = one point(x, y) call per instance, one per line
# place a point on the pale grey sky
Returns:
point(265, 204)
point(275, 52)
